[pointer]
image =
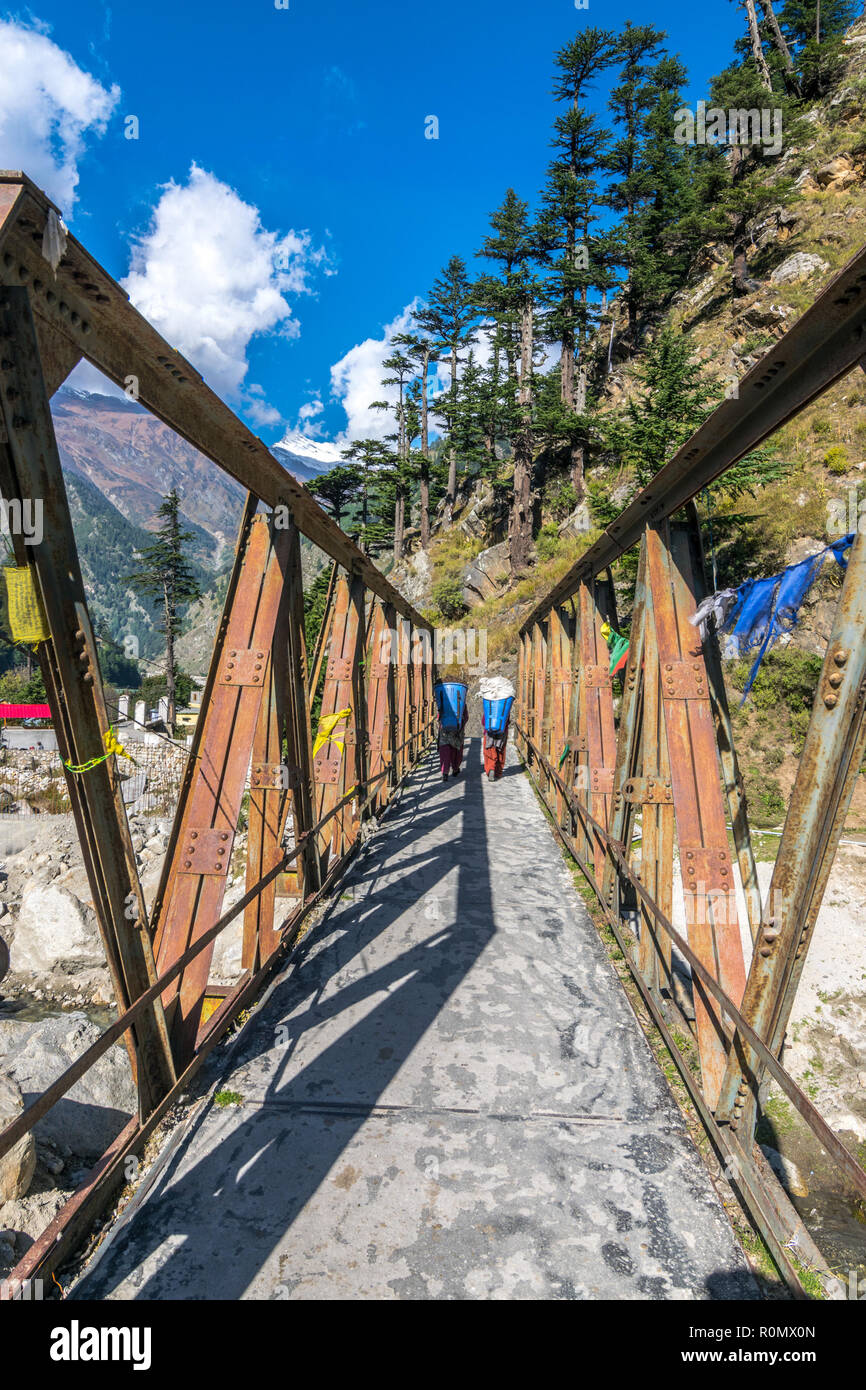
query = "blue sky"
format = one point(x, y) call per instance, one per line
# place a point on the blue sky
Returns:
point(313, 117)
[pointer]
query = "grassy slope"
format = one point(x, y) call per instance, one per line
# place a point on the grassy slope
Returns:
point(824, 448)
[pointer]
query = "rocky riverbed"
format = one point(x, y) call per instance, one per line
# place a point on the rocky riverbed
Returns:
point(55, 1000)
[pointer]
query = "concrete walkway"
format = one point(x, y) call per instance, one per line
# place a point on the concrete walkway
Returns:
point(447, 1097)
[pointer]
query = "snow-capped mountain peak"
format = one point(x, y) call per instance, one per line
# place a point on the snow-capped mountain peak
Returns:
point(319, 451)
point(306, 457)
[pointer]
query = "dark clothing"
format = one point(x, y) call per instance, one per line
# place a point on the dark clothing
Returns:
point(451, 746)
point(450, 758)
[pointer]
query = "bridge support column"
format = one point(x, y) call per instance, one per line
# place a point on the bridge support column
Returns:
point(560, 661)
point(30, 471)
point(595, 716)
point(281, 787)
point(832, 756)
point(707, 871)
point(197, 867)
point(380, 680)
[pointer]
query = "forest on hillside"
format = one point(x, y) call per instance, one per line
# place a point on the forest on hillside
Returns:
point(579, 274)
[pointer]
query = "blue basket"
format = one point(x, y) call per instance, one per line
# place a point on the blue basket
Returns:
point(496, 714)
point(450, 702)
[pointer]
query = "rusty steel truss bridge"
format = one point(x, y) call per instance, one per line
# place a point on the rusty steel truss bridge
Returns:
point(667, 756)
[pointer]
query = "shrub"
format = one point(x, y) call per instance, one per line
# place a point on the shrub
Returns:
point(448, 597)
point(787, 676)
point(821, 425)
point(548, 541)
point(767, 805)
point(562, 500)
point(836, 459)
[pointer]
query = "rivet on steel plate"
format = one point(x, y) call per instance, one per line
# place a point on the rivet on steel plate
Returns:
point(841, 656)
point(831, 700)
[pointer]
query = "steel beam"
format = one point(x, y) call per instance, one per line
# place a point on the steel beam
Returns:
point(30, 469)
point(240, 672)
point(822, 346)
point(831, 761)
point(597, 722)
point(84, 306)
point(705, 860)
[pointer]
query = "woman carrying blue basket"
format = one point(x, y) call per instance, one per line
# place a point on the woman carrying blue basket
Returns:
point(497, 695)
point(450, 697)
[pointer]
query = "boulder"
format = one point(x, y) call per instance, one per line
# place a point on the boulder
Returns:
point(578, 523)
point(485, 516)
point(54, 930)
point(786, 1171)
point(487, 575)
point(225, 966)
point(91, 1115)
point(417, 580)
point(838, 175)
point(19, 1164)
point(801, 266)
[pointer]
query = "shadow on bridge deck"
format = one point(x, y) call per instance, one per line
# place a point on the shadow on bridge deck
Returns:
point(445, 1096)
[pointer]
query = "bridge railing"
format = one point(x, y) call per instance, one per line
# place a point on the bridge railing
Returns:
point(307, 787)
point(669, 758)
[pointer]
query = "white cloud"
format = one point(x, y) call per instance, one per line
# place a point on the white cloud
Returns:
point(356, 380)
point(210, 277)
point(48, 106)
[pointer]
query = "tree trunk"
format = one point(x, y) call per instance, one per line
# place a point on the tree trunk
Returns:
point(452, 447)
point(578, 446)
point(520, 522)
point(399, 523)
point(757, 47)
point(779, 40)
point(169, 658)
point(742, 282)
point(425, 466)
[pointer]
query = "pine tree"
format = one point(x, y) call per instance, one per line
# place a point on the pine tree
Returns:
point(337, 488)
point(814, 31)
point(631, 102)
point(569, 212)
point(401, 368)
point(167, 577)
point(373, 460)
point(418, 350)
point(743, 180)
point(469, 421)
point(510, 297)
point(448, 319)
point(673, 402)
point(661, 254)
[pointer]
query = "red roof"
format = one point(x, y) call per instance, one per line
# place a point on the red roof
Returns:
point(25, 711)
